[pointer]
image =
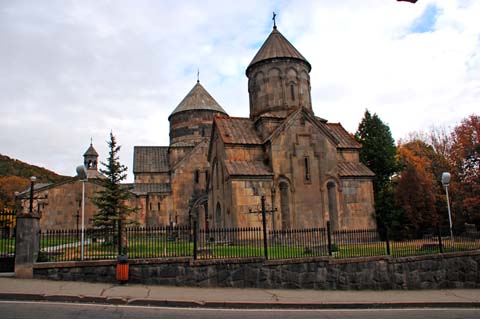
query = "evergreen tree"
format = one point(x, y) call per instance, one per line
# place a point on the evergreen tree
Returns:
point(111, 201)
point(379, 154)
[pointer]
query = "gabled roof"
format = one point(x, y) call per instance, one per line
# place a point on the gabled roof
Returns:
point(150, 159)
point(345, 139)
point(308, 115)
point(198, 99)
point(237, 130)
point(93, 173)
point(352, 169)
point(38, 187)
point(277, 46)
point(247, 168)
point(185, 160)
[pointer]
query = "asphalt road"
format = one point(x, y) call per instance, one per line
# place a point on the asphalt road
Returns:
point(47, 310)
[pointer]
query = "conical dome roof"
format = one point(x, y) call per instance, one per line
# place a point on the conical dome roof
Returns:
point(277, 46)
point(91, 151)
point(198, 99)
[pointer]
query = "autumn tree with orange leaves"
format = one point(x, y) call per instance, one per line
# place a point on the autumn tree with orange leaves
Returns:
point(464, 157)
point(8, 186)
point(417, 186)
point(424, 157)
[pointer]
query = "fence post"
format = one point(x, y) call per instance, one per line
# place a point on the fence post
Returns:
point(387, 239)
point(440, 245)
point(195, 240)
point(329, 238)
point(264, 222)
point(27, 244)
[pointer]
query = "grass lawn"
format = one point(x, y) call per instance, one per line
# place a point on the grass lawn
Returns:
point(158, 247)
point(7, 245)
point(140, 249)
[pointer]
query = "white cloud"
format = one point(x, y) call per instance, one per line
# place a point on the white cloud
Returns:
point(75, 70)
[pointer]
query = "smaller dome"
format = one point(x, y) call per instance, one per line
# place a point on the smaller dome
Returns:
point(198, 99)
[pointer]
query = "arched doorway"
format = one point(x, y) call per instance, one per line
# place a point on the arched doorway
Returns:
point(199, 212)
point(285, 204)
point(332, 204)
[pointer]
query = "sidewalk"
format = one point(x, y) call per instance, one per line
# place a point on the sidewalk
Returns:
point(64, 291)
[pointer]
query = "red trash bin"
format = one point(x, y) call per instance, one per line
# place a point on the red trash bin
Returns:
point(122, 269)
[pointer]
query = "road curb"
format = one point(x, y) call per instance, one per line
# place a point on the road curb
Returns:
point(228, 304)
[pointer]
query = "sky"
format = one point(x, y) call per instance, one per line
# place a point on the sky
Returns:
point(72, 71)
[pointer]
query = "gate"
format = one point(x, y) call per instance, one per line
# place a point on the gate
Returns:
point(8, 222)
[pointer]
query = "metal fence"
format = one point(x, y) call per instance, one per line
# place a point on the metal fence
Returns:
point(66, 244)
point(435, 241)
point(158, 242)
point(7, 240)
point(298, 243)
point(357, 243)
point(224, 243)
point(228, 243)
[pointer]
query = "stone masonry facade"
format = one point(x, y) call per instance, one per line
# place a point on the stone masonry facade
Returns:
point(452, 270)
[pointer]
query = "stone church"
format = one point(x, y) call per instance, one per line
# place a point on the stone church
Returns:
point(217, 167)
point(171, 181)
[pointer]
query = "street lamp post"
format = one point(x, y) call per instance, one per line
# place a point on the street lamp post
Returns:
point(445, 181)
point(32, 183)
point(82, 175)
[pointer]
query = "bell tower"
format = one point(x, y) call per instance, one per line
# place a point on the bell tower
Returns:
point(90, 158)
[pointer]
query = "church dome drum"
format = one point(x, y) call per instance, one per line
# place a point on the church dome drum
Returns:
point(191, 121)
point(278, 79)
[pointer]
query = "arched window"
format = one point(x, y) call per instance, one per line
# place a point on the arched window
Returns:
point(217, 178)
point(285, 204)
point(197, 176)
point(307, 169)
point(332, 204)
point(292, 92)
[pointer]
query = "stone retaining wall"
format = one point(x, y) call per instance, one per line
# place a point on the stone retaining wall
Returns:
point(452, 270)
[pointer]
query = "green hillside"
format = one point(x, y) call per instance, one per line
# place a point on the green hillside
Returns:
point(13, 167)
point(15, 177)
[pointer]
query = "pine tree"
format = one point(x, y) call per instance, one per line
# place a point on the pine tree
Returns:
point(379, 154)
point(111, 201)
